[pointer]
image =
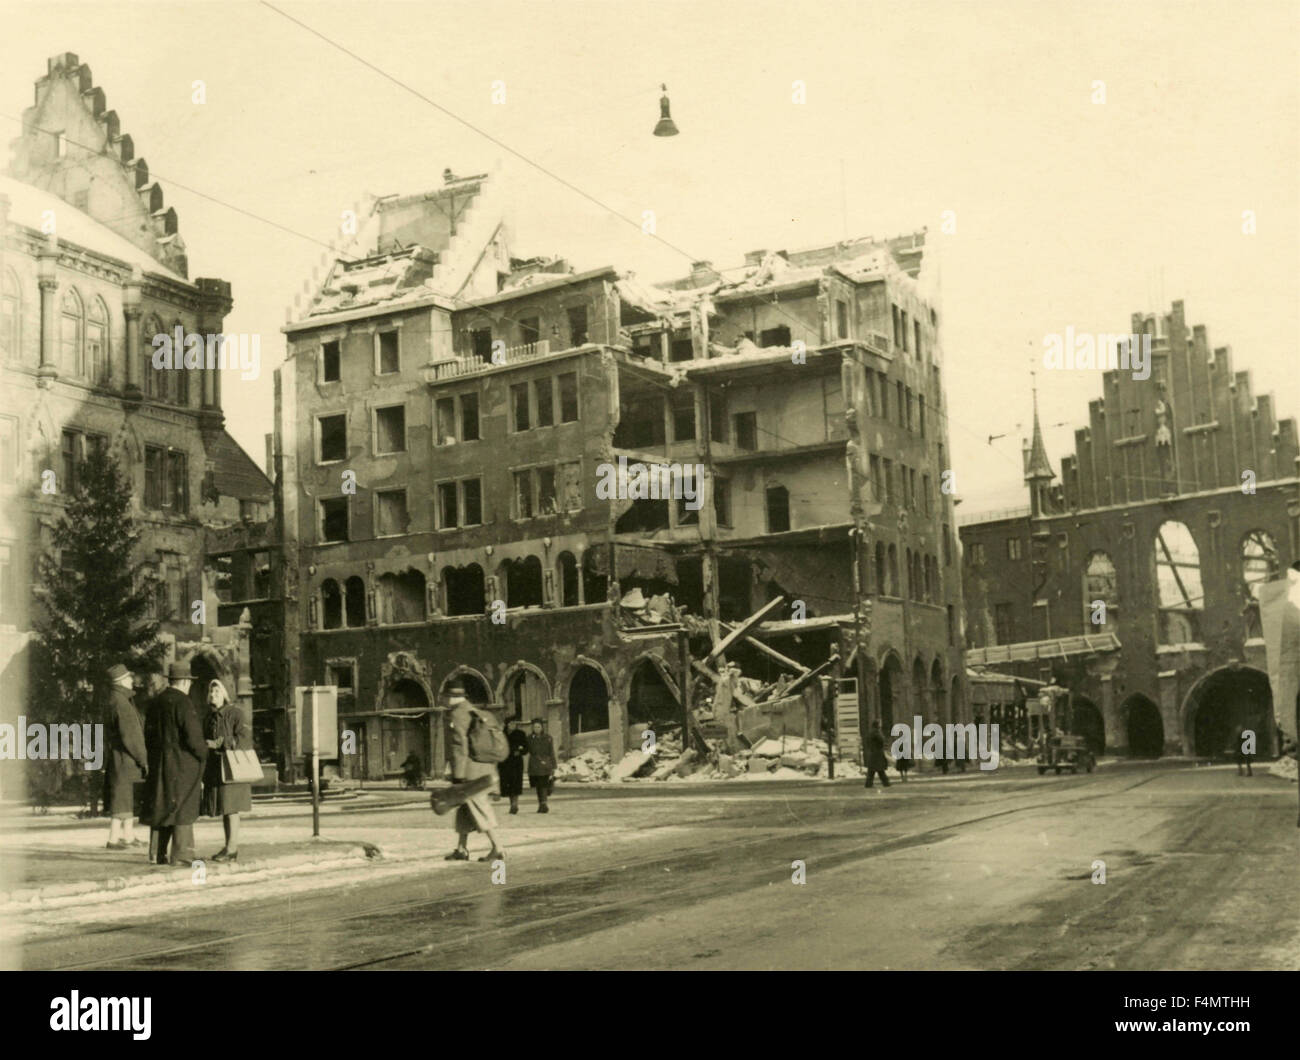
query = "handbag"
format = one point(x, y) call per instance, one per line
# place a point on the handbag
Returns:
point(240, 767)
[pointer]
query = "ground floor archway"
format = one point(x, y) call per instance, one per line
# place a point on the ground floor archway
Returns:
point(1224, 702)
point(405, 726)
point(650, 700)
point(1089, 724)
point(588, 701)
point(476, 688)
point(524, 694)
point(1146, 732)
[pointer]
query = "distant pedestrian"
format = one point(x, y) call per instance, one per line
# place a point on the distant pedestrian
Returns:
point(541, 765)
point(177, 751)
point(225, 731)
point(1237, 749)
point(875, 757)
point(475, 813)
point(413, 771)
point(511, 771)
point(903, 765)
point(128, 759)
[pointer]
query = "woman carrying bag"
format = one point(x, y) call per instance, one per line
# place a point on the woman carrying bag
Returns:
point(224, 798)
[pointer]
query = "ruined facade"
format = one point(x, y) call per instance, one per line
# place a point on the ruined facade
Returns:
point(92, 267)
point(1132, 580)
point(463, 445)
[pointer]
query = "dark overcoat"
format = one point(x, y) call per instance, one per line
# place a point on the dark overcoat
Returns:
point(511, 771)
point(541, 755)
point(177, 752)
point(127, 756)
point(875, 750)
point(219, 796)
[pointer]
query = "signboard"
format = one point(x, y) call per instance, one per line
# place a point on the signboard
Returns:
point(317, 720)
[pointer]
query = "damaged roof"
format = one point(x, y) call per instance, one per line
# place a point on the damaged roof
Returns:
point(234, 473)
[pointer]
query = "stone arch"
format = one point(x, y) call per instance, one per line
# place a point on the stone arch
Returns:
point(477, 689)
point(588, 695)
point(649, 698)
point(1222, 701)
point(1089, 723)
point(1143, 726)
point(1179, 587)
point(524, 691)
point(889, 681)
point(354, 602)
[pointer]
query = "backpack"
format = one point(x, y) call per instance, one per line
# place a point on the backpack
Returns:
point(487, 740)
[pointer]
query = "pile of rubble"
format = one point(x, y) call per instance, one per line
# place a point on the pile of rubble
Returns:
point(584, 768)
point(1284, 767)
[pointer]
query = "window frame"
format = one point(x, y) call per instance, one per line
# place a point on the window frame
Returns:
point(319, 438)
point(375, 410)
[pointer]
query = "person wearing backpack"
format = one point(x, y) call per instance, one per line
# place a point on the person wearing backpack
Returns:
point(475, 813)
point(541, 765)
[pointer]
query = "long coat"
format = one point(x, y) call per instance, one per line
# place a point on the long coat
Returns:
point(875, 750)
point(177, 752)
point(511, 771)
point(475, 814)
point(127, 756)
point(541, 755)
point(221, 797)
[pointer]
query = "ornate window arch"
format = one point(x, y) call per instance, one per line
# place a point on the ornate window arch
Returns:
point(72, 332)
point(1179, 591)
point(97, 355)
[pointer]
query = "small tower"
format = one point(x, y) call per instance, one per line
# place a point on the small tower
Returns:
point(1038, 469)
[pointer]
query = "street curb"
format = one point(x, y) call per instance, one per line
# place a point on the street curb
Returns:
point(159, 880)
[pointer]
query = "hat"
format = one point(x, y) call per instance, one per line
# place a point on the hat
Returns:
point(179, 671)
point(455, 689)
point(116, 672)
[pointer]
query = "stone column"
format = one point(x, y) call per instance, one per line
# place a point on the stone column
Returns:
point(46, 262)
point(1116, 736)
point(1169, 712)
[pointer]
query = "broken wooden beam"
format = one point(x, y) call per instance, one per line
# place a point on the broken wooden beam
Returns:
point(743, 629)
point(771, 652)
point(736, 694)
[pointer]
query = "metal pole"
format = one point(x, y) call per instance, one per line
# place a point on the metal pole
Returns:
point(684, 662)
point(315, 769)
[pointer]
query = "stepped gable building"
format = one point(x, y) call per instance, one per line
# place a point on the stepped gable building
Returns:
point(452, 424)
point(1132, 578)
point(92, 266)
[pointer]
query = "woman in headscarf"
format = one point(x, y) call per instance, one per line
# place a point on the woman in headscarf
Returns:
point(225, 731)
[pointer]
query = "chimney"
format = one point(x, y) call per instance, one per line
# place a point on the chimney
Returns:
point(755, 257)
point(702, 272)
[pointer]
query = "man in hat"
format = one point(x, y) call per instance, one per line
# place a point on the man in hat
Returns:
point(475, 813)
point(177, 751)
point(127, 759)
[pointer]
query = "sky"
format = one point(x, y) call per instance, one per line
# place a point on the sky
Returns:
point(1068, 203)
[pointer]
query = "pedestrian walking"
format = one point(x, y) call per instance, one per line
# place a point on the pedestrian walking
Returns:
point(177, 751)
point(475, 813)
point(511, 771)
point(875, 758)
point(1237, 749)
point(225, 731)
point(903, 765)
point(128, 759)
point(541, 765)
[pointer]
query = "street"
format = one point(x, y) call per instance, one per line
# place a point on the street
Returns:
point(973, 871)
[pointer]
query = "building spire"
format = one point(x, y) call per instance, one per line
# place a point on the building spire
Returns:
point(1037, 466)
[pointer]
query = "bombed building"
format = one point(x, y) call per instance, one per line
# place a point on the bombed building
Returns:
point(1132, 578)
point(580, 495)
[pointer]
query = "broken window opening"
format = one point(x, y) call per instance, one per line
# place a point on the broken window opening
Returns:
point(389, 357)
point(650, 701)
point(354, 600)
point(331, 604)
point(777, 336)
point(566, 569)
point(334, 519)
point(400, 597)
point(778, 509)
point(1178, 584)
point(330, 362)
point(522, 579)
point(392, 515)
point(390, 429)
point(464, 590)
point(641, 422)
point(480, 341)
point(746, 430)
point(644, 516)
point(333, 438)
point(595, 585)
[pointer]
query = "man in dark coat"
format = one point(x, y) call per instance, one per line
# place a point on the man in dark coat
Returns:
point(511, 771)
point(177, 751)
point(127, 759)
point(875, 760)
point(541, 765)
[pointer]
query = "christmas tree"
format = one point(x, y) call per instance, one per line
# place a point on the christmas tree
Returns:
point(96, 601)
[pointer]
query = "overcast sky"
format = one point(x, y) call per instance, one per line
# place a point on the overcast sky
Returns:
point(1068, 212)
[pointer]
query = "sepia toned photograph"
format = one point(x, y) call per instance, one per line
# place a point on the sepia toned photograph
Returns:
point(650, 486)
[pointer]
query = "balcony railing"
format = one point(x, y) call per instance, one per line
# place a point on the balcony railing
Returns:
point(452, 369)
